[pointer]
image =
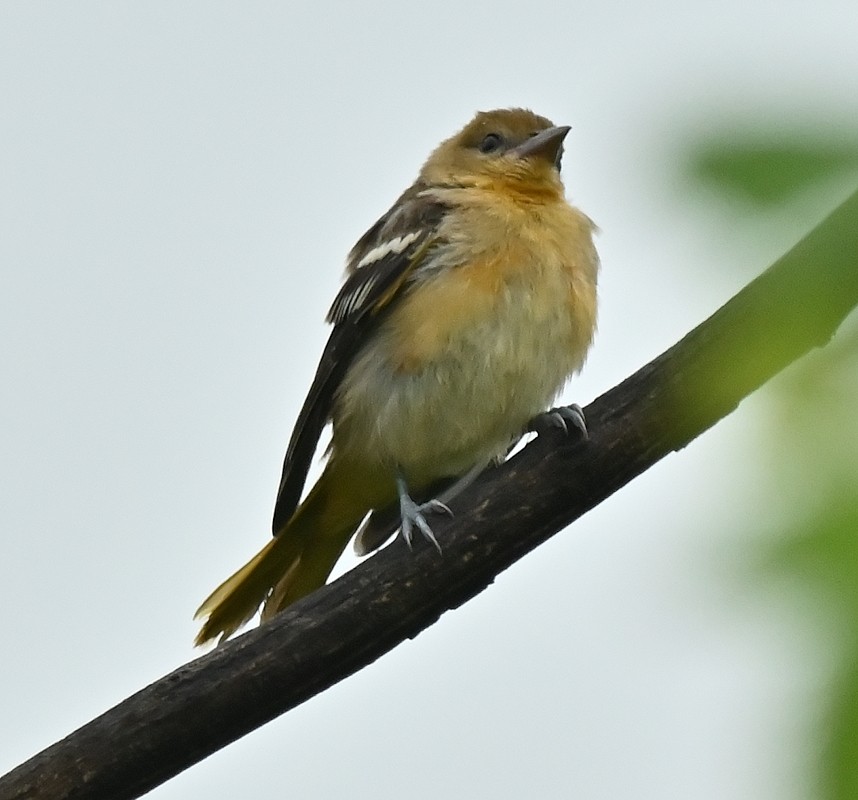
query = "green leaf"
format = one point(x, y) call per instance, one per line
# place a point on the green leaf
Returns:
point(768, 170)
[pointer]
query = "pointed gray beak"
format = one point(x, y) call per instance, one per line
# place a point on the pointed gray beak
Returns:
point(547, 144)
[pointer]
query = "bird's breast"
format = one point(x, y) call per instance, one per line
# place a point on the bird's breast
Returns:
point(482, 342)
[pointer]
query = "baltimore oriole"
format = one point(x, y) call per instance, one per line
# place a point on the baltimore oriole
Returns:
point(464, 310)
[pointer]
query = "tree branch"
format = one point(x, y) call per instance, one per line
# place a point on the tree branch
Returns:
point(180, 719)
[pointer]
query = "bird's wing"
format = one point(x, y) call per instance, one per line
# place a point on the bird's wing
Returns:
point(378, 271)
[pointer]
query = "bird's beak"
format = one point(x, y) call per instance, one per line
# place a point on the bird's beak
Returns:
point(547, 144)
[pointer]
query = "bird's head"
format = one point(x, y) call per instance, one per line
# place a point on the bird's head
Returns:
point(511, 146)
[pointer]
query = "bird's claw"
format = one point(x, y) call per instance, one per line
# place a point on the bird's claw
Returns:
point(412, 515)
point(561, 417)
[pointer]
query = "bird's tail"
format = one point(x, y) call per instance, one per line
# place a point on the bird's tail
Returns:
point(294, 563)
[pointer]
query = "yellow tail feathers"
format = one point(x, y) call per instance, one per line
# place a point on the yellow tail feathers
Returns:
point(238, 598)
point(294, 563)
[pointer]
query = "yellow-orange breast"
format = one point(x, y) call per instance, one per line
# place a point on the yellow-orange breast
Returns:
point(503, 313)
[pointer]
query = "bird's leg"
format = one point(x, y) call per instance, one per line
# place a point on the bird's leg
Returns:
point(411, 514)
point(561, 417)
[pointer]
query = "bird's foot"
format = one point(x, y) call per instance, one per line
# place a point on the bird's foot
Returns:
point(561, 417)
point(412, 515)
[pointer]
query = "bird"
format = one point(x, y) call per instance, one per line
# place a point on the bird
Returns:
point(464, 310)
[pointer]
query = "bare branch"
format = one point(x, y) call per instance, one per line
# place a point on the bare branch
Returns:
point(177, 721)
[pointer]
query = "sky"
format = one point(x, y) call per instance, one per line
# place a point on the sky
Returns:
point(179, 185)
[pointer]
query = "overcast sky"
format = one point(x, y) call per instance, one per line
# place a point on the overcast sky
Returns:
point(179, 185)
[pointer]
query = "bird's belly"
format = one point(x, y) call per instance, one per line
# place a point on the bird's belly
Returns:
point(443, 387)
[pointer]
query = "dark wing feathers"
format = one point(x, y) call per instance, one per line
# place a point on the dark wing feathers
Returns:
point(378, 269)
point(312, 419)
point(379, 275)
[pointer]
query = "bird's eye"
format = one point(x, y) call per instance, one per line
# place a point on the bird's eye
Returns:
point(491, 143)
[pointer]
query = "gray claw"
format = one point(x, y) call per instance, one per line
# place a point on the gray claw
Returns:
point(559, 417)
point(412, 515)
point(575, 415)
point(437, 505)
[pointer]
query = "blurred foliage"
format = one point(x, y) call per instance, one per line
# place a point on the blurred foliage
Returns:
point(817, 406)
point(766, 170)
point(813, 435)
